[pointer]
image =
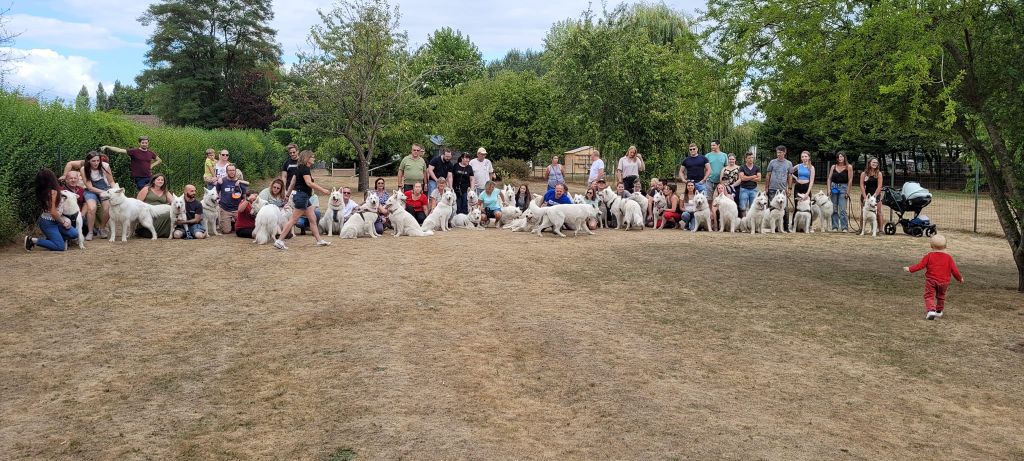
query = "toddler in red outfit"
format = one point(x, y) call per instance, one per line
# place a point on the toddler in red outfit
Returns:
point(938, 266)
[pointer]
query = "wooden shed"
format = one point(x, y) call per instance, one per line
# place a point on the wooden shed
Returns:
point(577, 161)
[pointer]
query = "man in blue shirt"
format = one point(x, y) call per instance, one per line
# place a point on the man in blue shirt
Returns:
point(557, 196)
point(695, 168)
point(717, 160)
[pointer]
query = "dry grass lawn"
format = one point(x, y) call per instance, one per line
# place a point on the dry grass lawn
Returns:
point(494, 345)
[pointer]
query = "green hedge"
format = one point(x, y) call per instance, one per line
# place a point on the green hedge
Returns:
point(33, 136)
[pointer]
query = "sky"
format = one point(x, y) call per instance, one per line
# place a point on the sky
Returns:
point(64, 44)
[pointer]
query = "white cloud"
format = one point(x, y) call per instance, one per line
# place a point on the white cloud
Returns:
point(120, 16)
point(49, 74)
point(57, 33)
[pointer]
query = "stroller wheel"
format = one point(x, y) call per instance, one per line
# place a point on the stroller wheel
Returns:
point(929, 231)
point(916, 231)
point(890, 228)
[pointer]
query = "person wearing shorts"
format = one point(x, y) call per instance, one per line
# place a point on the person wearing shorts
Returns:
point(98, 178)
point(192, 226)
point(304, 186)
point(491, 202)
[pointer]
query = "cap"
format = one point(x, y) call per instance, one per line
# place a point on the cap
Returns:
point(481, 151)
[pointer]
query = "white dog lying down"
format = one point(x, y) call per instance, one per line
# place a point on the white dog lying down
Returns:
point(442, 214)
point(210, 211)
point(69, 208)
point(360, 223)
point(467, 221)
point(557, 216)
point(821, 208)
point(401, 220)
point(757, 215)
point(125, 211)
point(701, 213)
point(802, 216)
point(728, 213)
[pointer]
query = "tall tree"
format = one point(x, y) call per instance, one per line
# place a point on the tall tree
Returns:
point(128, 99)
point(82, 100)
point(355, 81)
point(451, 59)
point(6, 43)
point(101, 98)
point(201, 53)
point(892, 69)
point(518, 61)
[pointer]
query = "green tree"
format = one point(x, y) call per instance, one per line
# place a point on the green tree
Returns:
point(101, 98)
point(82, 100)
point(356, 81)
point(518, 61)
point(200, 55)
point(891, 69)
point(127, 99)
point(447, 60)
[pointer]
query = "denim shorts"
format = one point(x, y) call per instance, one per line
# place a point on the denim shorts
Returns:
point(301, 200)
point(101, 185)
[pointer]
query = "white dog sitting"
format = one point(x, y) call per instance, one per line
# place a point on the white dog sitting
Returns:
point(361, 222)
point(442, 214)
point(403, 222)
point(728, 213)
point(69, 209)
point(641, 200)
point(125, 211)
point(757, 215)
point(870, 216)
point(821, 208)
point(660, 205)
point(627, 212)
point(210, 211)
point(802, 219)
point(333, 218)
point(776, 214)
point(701, 212)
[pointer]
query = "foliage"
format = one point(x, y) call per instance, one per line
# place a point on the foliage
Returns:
point(48, 136)
point(101, 97)
point(204, 58)
point(127, 99)
point(284, 136)
point(82, 100)
point(356, 80)
point(512, 168)
point(518, 61)
point(447, 60)
point(890, 75)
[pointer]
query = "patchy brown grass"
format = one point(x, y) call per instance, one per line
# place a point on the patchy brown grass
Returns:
point(639, 345)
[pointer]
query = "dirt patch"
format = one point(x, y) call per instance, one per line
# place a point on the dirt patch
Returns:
point(482, 345)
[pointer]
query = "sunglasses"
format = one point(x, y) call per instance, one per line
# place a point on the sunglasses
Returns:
point(346, 193)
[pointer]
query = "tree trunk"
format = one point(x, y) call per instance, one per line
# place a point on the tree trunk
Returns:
point(1018, 257)
point(364, 172)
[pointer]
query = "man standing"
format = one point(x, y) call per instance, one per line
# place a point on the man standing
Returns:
point(143, 161)
point(695, 168)
point(717, 159)
point(596, 169)
point(462, 180)
point(440, 167)
point(412, 168)
point(483, 171)
point(778, 177)
point(290, 164)
point(231, 189)
point(192, 226)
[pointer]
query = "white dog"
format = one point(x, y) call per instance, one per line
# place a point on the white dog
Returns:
point(757, 215)
point(178, 211)
point(472, 200)
point(728, 213)
point(401, 220)
point(70, 209)
point(442, 214)
point(268, 222)
point(701, 212)
point(802, 218)
point(362, 219)
point(627, 212)
point(125, 211)
point(821, 208)
point(870, 216)
point(577, 199)
point(333, 216)
point(641, 200)
point(776, 214)
point(467, 221)
point(660, 205)
point(557, 216)
point(210, 211)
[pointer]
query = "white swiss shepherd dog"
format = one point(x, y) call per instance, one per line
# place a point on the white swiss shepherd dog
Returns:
point(210, 211)
point(757, 215)
point(269, 225)
point(467, 221)
point(401, 220)
point(442, 214)
point(870, 216)
point(776, 213)
point(802, 218)
point(360, 223)
point(557, 216)
point(701, 212)
point(627, 212)
point(728, 213)
point(69, 208)
point(821, 208)
point(125, 211)
point(333, 219)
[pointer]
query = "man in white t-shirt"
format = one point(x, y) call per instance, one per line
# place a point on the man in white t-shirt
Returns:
point(483, 171)
point(596, 168)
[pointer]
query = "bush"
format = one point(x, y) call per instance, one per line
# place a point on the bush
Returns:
point(35, 136)
point(511, 168)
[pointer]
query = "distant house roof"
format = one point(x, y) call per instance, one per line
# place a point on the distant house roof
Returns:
point(579, 149)
point(148, 120)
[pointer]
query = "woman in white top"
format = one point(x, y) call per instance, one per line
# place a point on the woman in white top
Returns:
point(629, 168)
point(98, 178)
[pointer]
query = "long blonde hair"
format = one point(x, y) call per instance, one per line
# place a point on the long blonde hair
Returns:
point(867, 168)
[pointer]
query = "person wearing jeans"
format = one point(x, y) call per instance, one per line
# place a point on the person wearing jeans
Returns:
point(839, 181)
point(55, 226)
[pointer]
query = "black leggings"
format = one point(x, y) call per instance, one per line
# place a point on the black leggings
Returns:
point(627, 183)
point(244, 233)
point(800, 189)
point(419, 215)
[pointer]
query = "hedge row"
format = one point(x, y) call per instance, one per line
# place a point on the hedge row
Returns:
point(34, 136)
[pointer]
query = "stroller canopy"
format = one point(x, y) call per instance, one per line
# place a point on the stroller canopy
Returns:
point(913, 190)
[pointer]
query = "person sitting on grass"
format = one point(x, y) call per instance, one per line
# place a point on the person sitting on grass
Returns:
point(98, 178)
point(938, 266)
point(274, 194)
point(245, 223)
point(590, 198)
point(523, 197)
point(435, 195)
point(157, 193)
point(192, 226)
point(55, 226)
point(672, 212)
point(557, 196)
point(491, 203)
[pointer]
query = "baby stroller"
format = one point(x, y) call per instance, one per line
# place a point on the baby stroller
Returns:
point(912, 197)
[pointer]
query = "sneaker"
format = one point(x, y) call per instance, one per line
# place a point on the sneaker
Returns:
point(88, 237)
point(29, 243)
point(931, 315)
point(104, 234)
point(323, 243)
point(938, 314)
point(279, 244)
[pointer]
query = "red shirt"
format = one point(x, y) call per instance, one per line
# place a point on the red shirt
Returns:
point(245, 219)
point(80, 192)
point(416, 205)
point(141, 161)
point(939, 265)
